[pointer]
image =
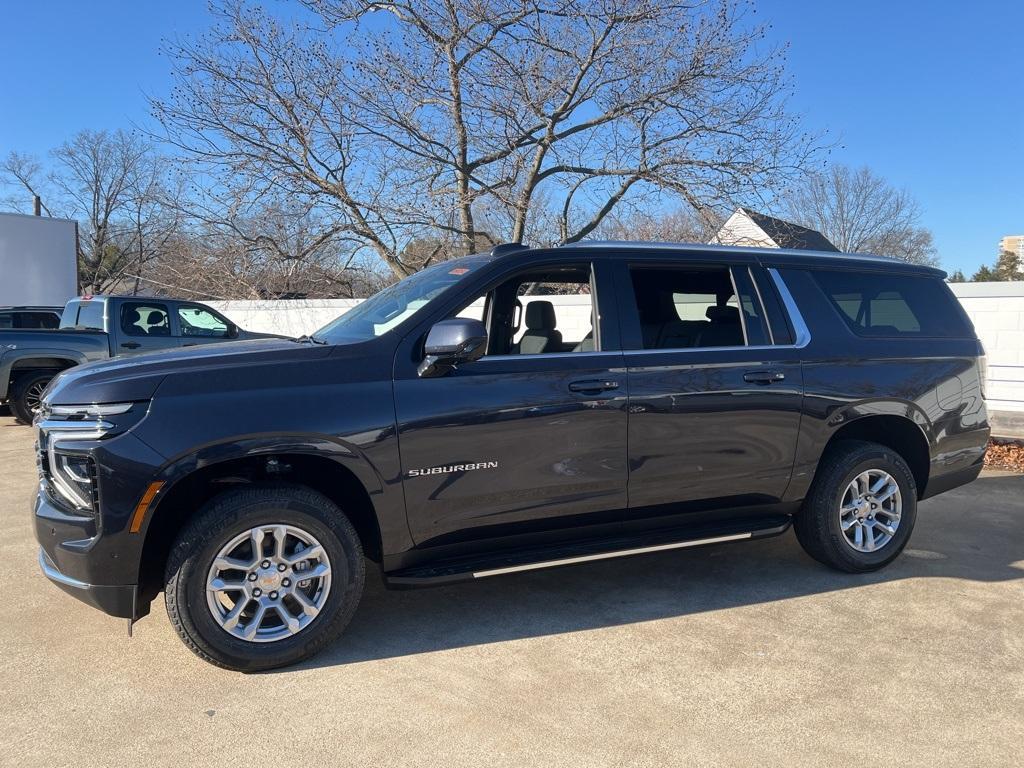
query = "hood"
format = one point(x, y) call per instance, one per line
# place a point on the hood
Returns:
point(136, 378)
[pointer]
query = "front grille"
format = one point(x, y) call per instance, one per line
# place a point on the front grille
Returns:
point(42, 460)
point(94, 477)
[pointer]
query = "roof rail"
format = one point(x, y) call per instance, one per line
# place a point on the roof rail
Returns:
point(504, 248)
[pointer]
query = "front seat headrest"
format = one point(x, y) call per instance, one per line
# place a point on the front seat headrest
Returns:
point(540, 316)
point(155, 318)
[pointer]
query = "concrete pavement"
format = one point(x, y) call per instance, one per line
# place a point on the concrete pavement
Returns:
point(744, 654)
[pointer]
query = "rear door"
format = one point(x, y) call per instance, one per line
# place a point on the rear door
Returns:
point(714, 389)
point(531, 437)
point(144, 326)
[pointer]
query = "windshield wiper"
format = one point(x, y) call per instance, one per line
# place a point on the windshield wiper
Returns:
point(307, 339)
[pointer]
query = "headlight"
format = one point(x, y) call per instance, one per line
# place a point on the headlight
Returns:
point(74, 478)
point(67, 470)
point(87, 412)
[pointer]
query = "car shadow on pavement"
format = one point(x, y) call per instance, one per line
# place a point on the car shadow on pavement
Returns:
point(973, 533)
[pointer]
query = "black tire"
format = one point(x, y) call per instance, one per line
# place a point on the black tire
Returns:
point(817, 525)
point(225, 517)
point(25, 390)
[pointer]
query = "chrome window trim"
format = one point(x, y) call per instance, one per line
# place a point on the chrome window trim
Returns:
point(550, 355)
point(760, 302)
point(802, 334)
point(684, 350)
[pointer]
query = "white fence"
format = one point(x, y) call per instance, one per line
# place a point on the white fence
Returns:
point(289, 318)
point(996, 309)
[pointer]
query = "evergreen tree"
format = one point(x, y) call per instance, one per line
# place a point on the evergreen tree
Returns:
point(984, 275)
point(1008, 266)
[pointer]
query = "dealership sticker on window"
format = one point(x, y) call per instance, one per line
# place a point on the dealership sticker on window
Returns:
point(459, 271)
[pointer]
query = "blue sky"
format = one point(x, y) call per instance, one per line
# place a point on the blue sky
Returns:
point(928, 94)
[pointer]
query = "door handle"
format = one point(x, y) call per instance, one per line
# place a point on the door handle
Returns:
point(594, 385)
point(190, 344)
point(130, 344)
point(763, 377)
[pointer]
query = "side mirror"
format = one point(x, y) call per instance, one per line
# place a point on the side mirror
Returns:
point(232, 331)
point(451, 342)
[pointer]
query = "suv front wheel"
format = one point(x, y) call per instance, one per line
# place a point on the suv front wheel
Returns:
point(264, 577)
point(861, 508)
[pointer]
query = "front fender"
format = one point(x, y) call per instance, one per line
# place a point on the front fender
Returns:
point(348, 456)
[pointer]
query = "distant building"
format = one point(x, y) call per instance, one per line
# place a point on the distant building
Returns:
point(750, 228)
point(1012, 244)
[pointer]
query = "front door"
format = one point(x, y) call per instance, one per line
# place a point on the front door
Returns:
point(144, 326)
point(201, 325)
point(532, 436)
point(714, 396)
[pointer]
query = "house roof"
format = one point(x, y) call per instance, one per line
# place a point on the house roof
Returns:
point(786, 234)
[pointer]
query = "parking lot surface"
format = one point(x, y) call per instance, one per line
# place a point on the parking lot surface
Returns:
point(744, 654)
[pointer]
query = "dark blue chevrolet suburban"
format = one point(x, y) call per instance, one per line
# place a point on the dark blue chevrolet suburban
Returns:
point(461, 425)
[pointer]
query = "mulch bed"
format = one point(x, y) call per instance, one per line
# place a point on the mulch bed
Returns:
point(1005, 455)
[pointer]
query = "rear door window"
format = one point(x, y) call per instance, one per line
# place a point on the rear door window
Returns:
point(877, 304)
point(695, 306)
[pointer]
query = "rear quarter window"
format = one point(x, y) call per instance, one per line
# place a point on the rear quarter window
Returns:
point(878, 304)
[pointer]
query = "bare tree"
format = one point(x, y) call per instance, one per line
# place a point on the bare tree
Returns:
point(272, 251)
point(297, 248)
point(114, 185)
point(676, 226)
point(415, 120)
point(861, 212)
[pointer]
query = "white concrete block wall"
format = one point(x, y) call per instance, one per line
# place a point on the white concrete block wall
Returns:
point(289, 318)
point(572, 315)
point(996, 309)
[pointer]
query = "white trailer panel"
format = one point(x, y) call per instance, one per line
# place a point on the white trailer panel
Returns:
point(38, 264)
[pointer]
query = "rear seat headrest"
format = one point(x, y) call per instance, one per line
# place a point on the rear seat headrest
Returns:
point(723, 314)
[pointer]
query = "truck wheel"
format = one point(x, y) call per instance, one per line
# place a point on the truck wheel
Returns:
point(264, 577)
point(27, 396)
point(861, 508)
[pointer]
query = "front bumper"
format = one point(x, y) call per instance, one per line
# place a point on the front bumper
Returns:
point(69, 557)
point(119, 600)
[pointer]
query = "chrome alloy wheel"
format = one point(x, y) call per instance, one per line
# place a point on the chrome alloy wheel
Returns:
point(870, 510)
point(34, 396)
point(268, 583)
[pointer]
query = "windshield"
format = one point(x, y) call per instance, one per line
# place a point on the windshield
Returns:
point(383, 311)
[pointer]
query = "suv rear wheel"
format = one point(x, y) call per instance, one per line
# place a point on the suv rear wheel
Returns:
point(264, 577)
point(861, 508)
